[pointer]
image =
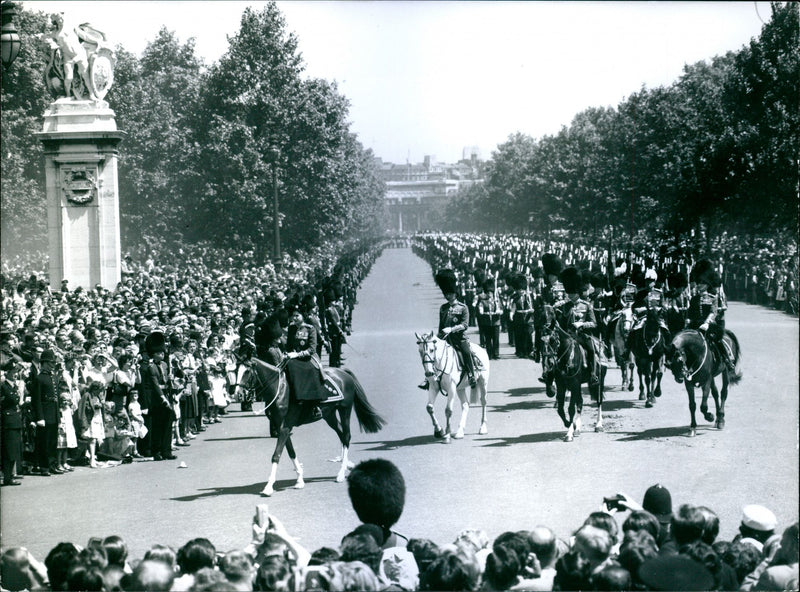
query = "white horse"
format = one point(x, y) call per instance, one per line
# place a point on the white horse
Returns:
point(444, 374)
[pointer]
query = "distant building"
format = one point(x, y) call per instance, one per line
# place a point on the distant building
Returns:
point(414, 191)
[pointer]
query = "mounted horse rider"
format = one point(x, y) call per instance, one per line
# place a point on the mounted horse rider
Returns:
point(676, 301)
point(649, 297)
point(453, 323)
point(552, 293)
point(577, 314)
point(704, 310)
point(304, 368)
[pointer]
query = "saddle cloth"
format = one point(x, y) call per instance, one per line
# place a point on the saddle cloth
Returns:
point(309, 382)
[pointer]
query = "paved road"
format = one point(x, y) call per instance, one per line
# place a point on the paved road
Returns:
point(518, 475)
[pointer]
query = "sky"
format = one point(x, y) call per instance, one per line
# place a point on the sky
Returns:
point(431, 78)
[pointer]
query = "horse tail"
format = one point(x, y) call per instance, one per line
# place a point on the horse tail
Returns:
point(368, 419)
point(736, 377)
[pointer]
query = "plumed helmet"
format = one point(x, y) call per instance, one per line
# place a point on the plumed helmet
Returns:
point(599, 280)
point(571, 278)
point(155, 342)
point(586, 279)
point(551, 264)
point(377, 491)
point(638, 279)
point(446, 280)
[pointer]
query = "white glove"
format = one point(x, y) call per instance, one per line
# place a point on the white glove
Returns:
point(704, 327)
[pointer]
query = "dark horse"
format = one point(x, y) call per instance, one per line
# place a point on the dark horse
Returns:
point(566, 358)
point(648, 346)
point(269, 383)
point(694, 363)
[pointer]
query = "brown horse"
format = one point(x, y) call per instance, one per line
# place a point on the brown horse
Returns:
point(268, 383)
point(648, 346)
point(694, 363)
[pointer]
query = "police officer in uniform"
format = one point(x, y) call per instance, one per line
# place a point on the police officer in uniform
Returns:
point(155, 380)
point(453, 323)
point(44, 406)
point(577, 313)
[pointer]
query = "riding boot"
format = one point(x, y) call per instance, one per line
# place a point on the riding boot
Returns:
point(423, 385)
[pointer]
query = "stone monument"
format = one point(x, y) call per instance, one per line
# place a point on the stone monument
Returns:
point(80, 139)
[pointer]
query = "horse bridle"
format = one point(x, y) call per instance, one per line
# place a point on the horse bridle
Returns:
point(261, 386)
point(682, 356)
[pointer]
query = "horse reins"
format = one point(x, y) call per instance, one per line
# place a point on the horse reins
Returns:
point(703, 362)
point(262, 386)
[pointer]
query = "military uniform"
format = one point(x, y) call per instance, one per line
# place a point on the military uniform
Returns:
point(44, 407)
point(489, 322)
point(155, 383)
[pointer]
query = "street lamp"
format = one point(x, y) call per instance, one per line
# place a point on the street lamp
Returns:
point(274, 156)
point(9, 39)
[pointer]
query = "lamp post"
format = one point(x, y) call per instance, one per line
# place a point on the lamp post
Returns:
point(9, 38)
point(274, 157)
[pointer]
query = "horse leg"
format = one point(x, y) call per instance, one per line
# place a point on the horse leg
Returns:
point(692, 409)
point(572, 425)
point(707, 415)
point(462, 423)
point(483, 429)
point(639, 370)
point(630, 375)
point(598, 425)
point(437, 429)
point(722, 398)
point(659, 369)
point(561, 396)
point(289, 421)
point(448, 415)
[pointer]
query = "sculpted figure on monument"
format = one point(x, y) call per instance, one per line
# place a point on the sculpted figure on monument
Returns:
point(80, 47)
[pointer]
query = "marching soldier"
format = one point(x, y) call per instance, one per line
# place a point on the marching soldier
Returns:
point(489, 319)
point(521, 316)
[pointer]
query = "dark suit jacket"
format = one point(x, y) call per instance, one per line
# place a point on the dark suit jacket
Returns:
point(9, 403)
point(44, 398)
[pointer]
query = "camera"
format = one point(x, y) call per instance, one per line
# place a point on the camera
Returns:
point(614, 502)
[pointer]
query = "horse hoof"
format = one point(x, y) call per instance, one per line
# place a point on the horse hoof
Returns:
point(299, 485)
point(568, 438)
point(720, 424)
point(657, 393)
point(446, 439)
point(641, 396)
point(692, 432)
point(267, 491)
point(599, 428)
point(340, 477)
point(709, 416)
point(630, 387)
point(483, 430)
point(438, 434)
point(649, 403)
point(458, 435)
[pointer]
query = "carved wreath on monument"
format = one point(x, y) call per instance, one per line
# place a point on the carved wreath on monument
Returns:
point(82, 48)
point(79, 185)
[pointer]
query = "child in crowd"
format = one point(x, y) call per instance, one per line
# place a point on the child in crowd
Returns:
point(67, 438)
point(137, 421)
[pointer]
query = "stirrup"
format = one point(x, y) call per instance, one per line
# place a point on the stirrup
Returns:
point(424, 385)
point(472, 382)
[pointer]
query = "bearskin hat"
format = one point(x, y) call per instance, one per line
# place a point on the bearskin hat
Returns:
point(271, 328)
point(377, 492)
point(480, 276)
point(571, 278)
point(599, 280)
point(551, 264)
point(677, 280)
point(702, 268)
point(155, 342)
point(489, 285)
point(711, 279)
point(538, 272)
point(175, 341)
point(307, 303)
point(446, 280)
point(517, 281)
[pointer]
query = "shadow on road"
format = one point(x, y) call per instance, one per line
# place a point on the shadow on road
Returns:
point(613, 405)
point(235, 438)
point(252, 489)
point(523, 439)
point(522, 406)
point(385, 445)
point(520, 392)
point(657, 433)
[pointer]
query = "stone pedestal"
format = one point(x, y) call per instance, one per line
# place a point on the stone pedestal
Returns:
point(80, 141)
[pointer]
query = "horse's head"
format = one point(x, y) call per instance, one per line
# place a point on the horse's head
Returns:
point(427, 352)
point(675, 360)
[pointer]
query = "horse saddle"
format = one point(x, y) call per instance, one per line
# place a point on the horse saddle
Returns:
point(310, 382)
point(601, 355)
point(334, 387)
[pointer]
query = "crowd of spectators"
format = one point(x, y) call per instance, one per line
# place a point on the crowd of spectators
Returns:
point(71, 360)
point(623, 546)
